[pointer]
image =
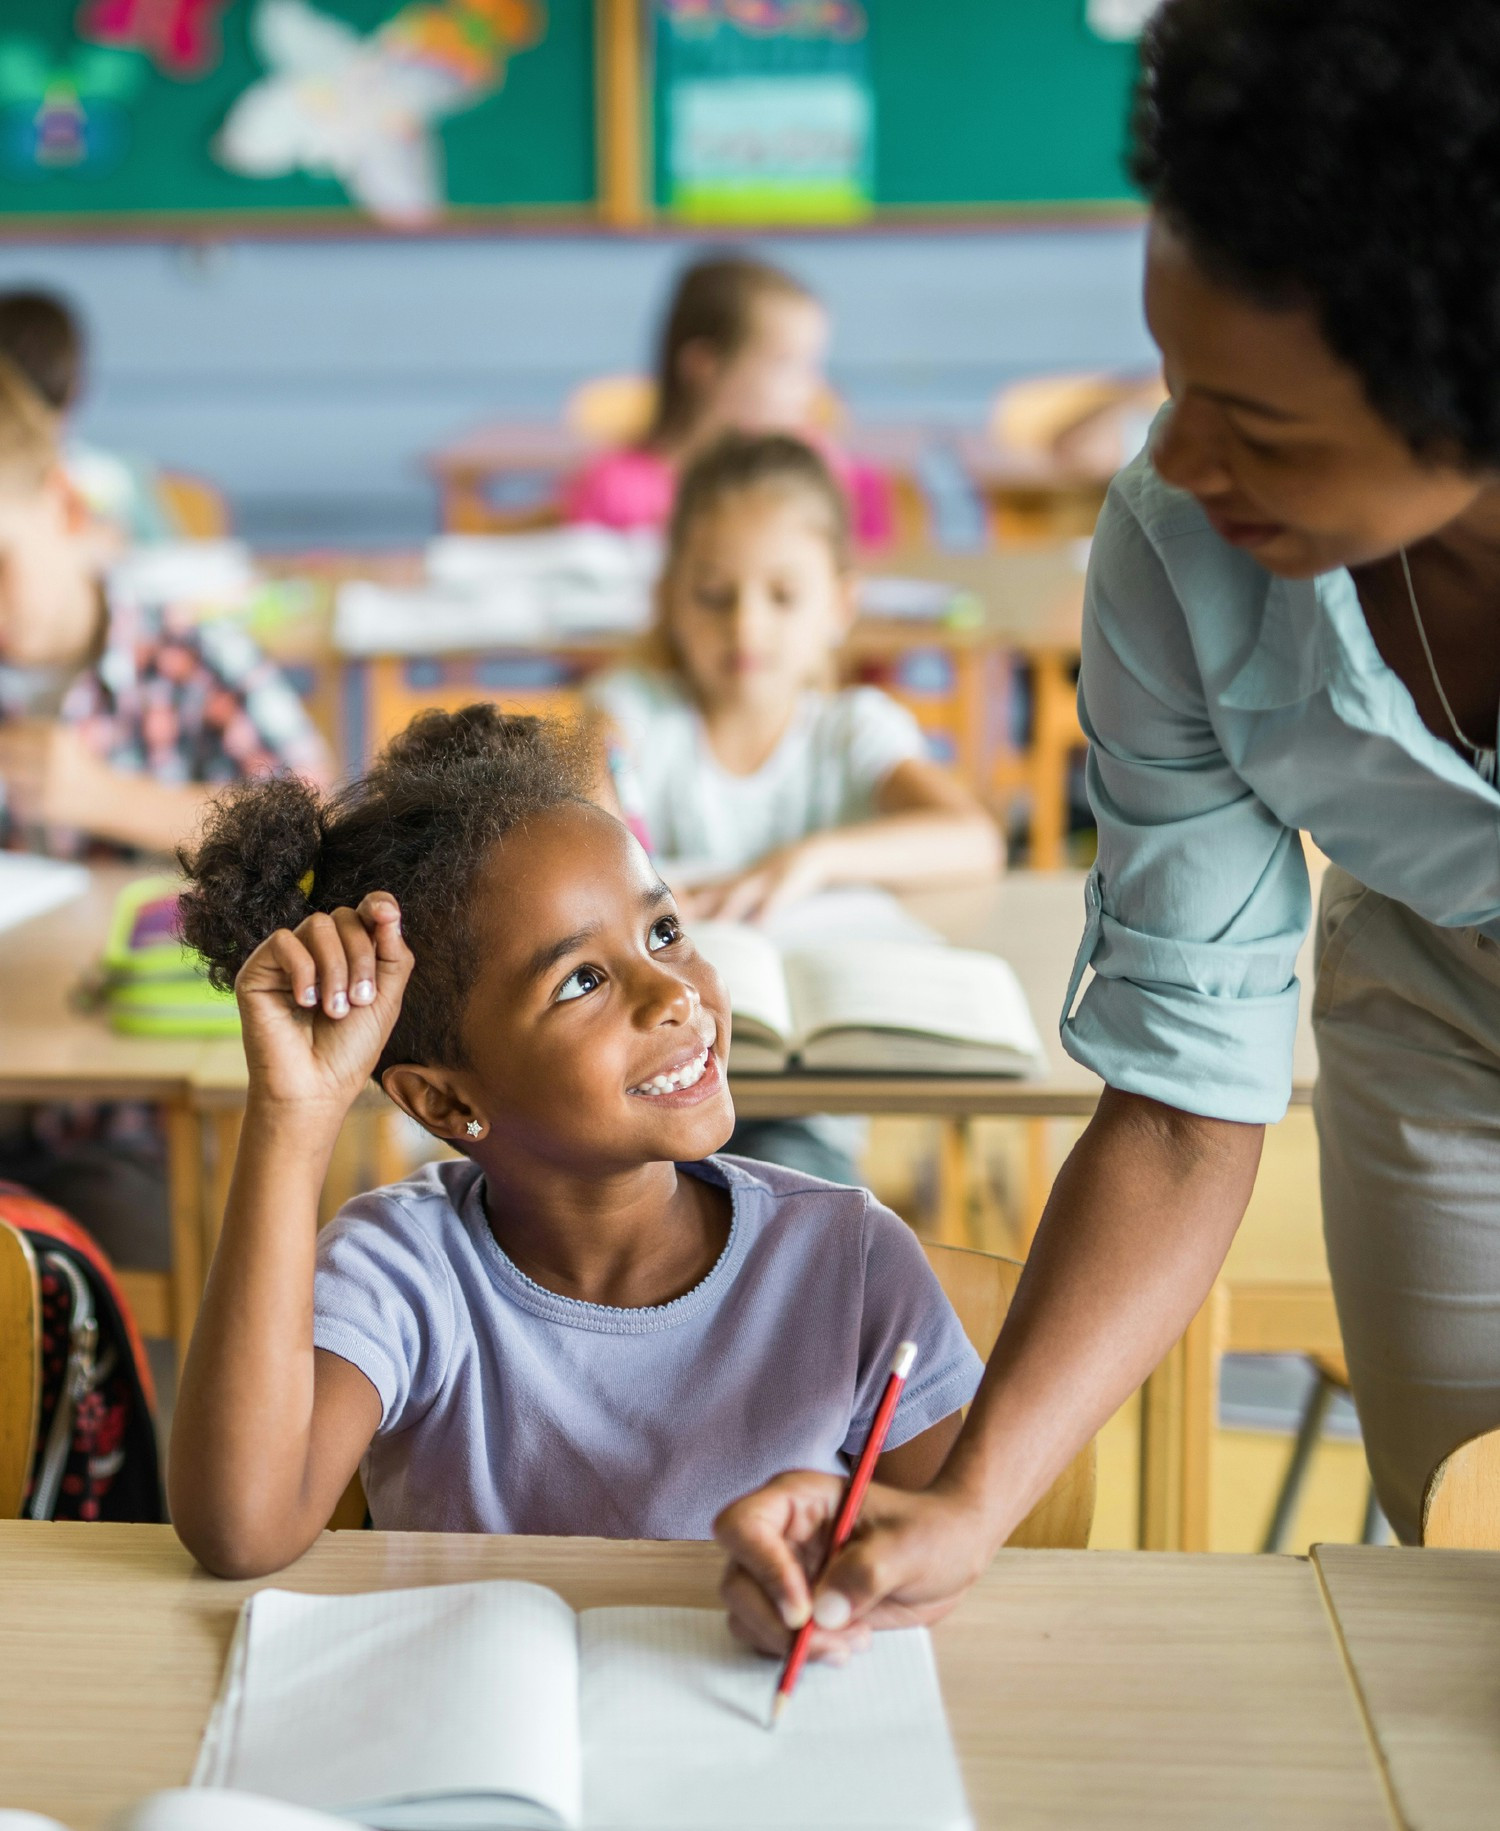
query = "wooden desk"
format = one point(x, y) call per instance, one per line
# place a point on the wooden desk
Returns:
point(50, 1049)
point(1421, 1634)
point(1084, 1688)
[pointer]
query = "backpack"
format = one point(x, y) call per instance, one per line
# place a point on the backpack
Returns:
point(96, 1436)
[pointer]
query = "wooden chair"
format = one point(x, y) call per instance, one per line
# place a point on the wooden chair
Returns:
point(980, 1287)
point(196, 510)
point(20, 1366)
point(1461, 1507)
point(611, 409)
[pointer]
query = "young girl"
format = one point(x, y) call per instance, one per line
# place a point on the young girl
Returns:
point(584, 1323)
point(734, 747)
point(741, 351)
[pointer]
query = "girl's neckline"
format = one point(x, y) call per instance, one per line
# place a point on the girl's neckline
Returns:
point(608, 1319)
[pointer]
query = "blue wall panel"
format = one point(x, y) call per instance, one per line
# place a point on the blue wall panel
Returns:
point(308, 378)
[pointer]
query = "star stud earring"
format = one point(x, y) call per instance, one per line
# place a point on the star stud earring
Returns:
point(474, 1128)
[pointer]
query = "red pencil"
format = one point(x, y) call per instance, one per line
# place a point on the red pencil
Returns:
point(902, 1362)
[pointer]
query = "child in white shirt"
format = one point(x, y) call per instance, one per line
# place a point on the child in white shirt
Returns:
point(740, 763)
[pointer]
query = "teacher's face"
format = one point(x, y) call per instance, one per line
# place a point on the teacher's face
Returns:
point(1274, 434)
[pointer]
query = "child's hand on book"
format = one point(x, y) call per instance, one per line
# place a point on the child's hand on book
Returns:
point(772, 883)
point(317, 1004)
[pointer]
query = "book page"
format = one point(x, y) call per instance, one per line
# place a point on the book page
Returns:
point(465, 1695)
point(675, 1734)
point(750, 967)
point(960, 994)
point(851, 912)
point(31, 886)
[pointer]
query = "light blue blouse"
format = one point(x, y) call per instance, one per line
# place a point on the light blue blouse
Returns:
point(1225, 709)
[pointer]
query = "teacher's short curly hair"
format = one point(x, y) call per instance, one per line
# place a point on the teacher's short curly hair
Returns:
point(1345, 154)
point(420, 824)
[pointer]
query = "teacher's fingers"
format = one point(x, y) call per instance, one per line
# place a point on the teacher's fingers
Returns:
point(771, 1533)
point(755, 1621)
point(912, 1557)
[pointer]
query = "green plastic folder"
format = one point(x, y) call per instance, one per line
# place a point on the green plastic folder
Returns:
point(151, 984)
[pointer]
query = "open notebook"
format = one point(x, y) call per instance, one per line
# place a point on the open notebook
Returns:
point(876, 1005)
point(479, 1705)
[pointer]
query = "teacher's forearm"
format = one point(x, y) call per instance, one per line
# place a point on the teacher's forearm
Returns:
point(1134, 1233)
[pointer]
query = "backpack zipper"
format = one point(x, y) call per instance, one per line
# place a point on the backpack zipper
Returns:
point(78, 1379)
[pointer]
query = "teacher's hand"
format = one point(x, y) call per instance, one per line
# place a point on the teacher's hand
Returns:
point(911, 1557)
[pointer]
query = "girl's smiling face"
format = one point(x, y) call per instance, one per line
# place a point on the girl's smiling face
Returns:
point(597, 1035)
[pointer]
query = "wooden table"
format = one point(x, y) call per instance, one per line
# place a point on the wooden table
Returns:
point(1421, 1633)
point(1030, 614)
point(1083, 1688)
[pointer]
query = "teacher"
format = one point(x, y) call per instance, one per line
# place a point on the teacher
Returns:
point(1292, 622)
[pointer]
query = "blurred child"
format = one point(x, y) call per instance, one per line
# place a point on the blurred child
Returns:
point(42, 337)
point(741, 350)
point(584, 1323)
point(118, 719)
point(736, 746)
point(744, 762)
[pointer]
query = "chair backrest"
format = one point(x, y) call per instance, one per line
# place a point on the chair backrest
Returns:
point(195, 509)
point(980, 1286)
point(611, 409)
point(20, 1366)
point(1461, 1507)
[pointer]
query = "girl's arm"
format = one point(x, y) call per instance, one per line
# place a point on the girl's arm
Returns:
point(928, 829)
point(918, 1460)
point(52, 778)
point(267, 1430)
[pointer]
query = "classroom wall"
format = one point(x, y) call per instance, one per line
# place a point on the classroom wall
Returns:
point(307, 378)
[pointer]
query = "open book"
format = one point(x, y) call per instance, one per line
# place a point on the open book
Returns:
point(897, 1006)
point(477, 1705)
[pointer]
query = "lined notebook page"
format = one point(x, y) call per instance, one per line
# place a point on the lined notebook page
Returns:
point(460, 1691)
point(674, 1726)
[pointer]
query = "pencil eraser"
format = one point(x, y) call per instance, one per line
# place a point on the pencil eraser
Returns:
point(904, 1359)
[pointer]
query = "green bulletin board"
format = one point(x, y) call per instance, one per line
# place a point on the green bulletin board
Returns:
point(109, 109)
point(975, 104)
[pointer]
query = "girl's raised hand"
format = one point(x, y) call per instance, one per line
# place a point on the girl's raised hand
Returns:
point(318, 1002)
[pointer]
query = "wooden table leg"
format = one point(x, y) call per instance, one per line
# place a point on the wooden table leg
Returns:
point(185, 1198)
point(1054, 726)
point(952, 1219)
point(1178, 1406)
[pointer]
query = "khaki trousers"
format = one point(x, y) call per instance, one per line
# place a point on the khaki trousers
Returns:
point(1407, 1018)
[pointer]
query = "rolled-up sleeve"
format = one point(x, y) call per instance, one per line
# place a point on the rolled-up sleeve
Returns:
point(1199, 900)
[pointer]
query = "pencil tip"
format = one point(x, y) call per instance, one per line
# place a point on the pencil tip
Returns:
point(778, 1704)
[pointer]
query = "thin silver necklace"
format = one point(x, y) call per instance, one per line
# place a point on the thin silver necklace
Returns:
point(1484, 760)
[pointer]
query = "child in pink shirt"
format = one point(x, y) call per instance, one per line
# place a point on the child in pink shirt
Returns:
point(741, 351)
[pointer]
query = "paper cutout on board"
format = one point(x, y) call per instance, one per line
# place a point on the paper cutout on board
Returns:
point(770, 18)
point(769, 110)
point(181, 37)
point(72, 117)
point(365, 110)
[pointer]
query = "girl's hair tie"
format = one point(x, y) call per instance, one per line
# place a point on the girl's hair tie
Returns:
point(305, 884)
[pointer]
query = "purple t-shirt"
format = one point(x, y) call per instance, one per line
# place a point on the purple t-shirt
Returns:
point(506, 1408)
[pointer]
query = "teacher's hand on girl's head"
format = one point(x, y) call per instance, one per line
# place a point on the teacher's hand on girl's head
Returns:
point(911, 1558)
